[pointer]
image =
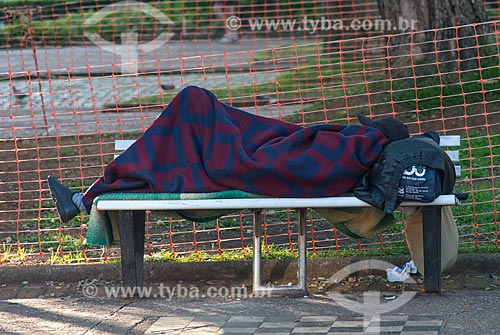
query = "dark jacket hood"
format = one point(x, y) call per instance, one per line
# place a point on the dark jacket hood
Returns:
point(379, 187)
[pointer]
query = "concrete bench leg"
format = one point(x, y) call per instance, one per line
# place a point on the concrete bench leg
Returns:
point(132, 229)
point(301, 287)
point(431, 221)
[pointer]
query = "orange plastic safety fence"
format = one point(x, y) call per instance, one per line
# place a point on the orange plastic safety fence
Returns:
point(76, 76)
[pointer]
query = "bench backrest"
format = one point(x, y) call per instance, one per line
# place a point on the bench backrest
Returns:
point(452, 141)
point(445, 141)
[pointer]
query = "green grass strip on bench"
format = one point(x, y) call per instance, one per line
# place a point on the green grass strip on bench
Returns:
point(192, 215)
point(231, 194)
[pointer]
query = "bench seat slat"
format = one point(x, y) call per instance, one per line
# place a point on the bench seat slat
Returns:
point(454, 155)
point(444, 141)
point(253, 203)
point(122, 145)
point(449, 140)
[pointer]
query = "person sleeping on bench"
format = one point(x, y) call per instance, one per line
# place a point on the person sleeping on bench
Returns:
point(200, 145)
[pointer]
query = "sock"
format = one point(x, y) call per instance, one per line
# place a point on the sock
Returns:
point(77, 199)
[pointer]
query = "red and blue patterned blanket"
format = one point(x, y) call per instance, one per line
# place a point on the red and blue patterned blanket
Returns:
point(198, 144)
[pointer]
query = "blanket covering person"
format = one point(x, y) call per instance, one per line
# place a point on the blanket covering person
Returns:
point(200, 145)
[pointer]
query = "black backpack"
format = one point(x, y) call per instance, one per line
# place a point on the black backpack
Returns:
point(415, 168)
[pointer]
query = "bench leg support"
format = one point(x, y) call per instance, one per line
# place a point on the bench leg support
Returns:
point(132, 229)
point(301, 287)
point(431, 221)
point(302, 270)
point(257, 234)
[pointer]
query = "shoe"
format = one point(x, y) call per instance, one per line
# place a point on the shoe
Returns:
point(230, 38)
point(63, 198)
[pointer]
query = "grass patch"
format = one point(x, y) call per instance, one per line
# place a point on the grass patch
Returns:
point(283, 253)
point(50, 240)
point(477, 215)
point(72, 257)
point(226, 255)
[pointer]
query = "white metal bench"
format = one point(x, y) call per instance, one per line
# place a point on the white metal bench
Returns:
point(132, 227)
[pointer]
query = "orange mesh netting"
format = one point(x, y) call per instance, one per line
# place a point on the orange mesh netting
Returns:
point(76, 76)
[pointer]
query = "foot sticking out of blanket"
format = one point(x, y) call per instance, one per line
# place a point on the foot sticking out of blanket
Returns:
point(68, 203)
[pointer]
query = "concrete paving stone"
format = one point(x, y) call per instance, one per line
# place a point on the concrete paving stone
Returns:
point(383, 329)
point(249, 330)
point(169, 323)
point(424, 323)
point(348, 330)
point(277, 324)
point(387, 318)
point(386, 323)
point(350, 318)
point(201, 330)
point(424, 317)
point(455, 282)
point(162, 332)
point(238, 318)
point(314, 324)
point(242, 324)
point(215, 319)
point(421, 328)
point(281, 318)
point(268, 331)
point(318, 318)
point(350, 324)
point(477, 281)
point(310, 330)
point(200, 323)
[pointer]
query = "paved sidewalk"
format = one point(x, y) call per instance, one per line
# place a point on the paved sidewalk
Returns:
point(171, 56)
point(309, 324)
point(460, 312)
point(87, 299)
point(84, 81)
point(468, 305)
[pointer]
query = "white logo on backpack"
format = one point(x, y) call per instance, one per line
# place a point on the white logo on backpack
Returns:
point(413, 170)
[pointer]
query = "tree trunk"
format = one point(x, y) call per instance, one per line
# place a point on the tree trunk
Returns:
point(345, 11)
point(430, 50)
